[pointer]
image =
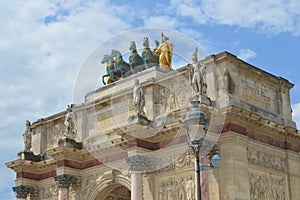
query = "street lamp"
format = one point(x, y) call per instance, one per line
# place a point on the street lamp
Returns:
point(196, 125)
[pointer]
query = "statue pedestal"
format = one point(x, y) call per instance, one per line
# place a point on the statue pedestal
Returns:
point(28, 155)
point(204, 100)
point(139, 119)
point(69, 142)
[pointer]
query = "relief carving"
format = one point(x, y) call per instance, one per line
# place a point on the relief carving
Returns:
point(266, 187)
point(89, 184)
point(167, 99)
point(266, 160)
point(49, 192)
point(186, 160)
point(177, 189)
point(54, 133)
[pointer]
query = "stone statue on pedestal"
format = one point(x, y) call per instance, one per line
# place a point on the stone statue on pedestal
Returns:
point(139, 104)
point(197, 75)
point(198, 78)
point(27, 136)
point(138, 98)
point(70, 129)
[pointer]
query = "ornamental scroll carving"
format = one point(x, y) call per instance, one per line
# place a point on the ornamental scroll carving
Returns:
point(266, 160)
point(177, 189)
point(186, 160)
point(263, 186)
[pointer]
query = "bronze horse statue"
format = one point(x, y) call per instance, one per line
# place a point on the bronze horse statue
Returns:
point(150, 60)
point(121, 66)
point(112, 74)
point(135, 60)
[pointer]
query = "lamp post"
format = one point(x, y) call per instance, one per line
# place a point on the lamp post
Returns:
point(196, 125)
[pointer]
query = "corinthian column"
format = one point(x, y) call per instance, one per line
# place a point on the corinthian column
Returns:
point(23, 191)
point(63, 182)
point(138, 164)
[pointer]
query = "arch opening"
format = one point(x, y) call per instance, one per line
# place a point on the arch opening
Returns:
point(114, 192)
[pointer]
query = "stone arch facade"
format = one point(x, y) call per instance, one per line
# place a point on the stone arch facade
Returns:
point(110, 185)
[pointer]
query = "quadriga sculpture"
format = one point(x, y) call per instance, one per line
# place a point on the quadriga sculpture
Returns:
point(120, 64)
point(150, 60)
point(135, 60)
point(112, 74)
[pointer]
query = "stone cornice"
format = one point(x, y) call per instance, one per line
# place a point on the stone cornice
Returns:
point(257, 123)
point(226, 56)
point(32, 167)
point(62, 152)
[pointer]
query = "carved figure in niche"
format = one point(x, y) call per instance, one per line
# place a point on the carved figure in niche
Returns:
point(27, 136)
point(190, 188)
point(165, 50)
point(70, 129)
point(198, 75)
point(161, 191)
point(169, 190)
point(180, 190)
point(172, 101)
point(138, 98)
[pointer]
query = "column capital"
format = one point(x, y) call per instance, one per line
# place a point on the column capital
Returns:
point(22, 191)
point(64, 180)
point(140, 163)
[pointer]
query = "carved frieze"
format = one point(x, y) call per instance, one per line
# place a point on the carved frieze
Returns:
point(54, 133)
point(266, 186)
point(49, 192)
point(182, 188)
point(186, 160)
point(266, 160)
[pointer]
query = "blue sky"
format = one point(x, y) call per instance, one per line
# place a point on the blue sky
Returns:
point(43, 45)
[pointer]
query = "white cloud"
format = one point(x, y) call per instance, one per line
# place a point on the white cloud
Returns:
point(39, 62)
point(246, 54)
point(271, 17)
point(162, 21)
point(296, 114)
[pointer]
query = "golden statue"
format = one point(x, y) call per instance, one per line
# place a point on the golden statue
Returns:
point(165, 53)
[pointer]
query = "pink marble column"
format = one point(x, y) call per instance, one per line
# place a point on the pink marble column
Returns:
point(63, 194)
point(136, 186)
point(63, 182)
point(138, 164)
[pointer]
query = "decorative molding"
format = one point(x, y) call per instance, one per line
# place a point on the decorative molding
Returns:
point(140, 163)
point(266, 160)
point(266, 186)
point(89, 184)
point(64, 180)
point(22, 191)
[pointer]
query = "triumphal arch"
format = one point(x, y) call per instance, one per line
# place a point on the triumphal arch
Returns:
point(127, 140)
